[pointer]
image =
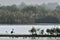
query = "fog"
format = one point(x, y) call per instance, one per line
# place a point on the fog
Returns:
point(10, 2)
point(23, 29)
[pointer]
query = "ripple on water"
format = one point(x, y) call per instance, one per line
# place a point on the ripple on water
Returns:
point(21, 38)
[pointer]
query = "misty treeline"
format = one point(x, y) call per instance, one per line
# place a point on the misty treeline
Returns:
point(28, 14)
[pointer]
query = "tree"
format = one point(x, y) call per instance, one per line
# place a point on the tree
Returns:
point(57, 9)
point(33, 30)
point(29, 9)
point(42, 31)
point(57, 31)
point(53, 31)
point(48, 31)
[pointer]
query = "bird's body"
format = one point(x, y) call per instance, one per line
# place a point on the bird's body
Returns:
point(11, 32)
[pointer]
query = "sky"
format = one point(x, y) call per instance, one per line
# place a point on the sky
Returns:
point(10, 2)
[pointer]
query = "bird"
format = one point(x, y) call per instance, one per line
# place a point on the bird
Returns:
point(12, 31)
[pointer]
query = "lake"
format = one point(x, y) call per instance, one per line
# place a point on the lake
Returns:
point(21, 38)
point(24, 29)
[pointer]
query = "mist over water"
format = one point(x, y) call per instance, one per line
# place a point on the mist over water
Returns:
point(24, 29)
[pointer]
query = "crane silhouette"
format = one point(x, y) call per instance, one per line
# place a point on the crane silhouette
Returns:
point(12, 31)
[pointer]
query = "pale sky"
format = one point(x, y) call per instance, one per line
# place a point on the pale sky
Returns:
point(10, 2)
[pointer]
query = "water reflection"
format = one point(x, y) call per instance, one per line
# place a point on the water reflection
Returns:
point(36, 38)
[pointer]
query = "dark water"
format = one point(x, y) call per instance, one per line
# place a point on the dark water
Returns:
point(21, 38)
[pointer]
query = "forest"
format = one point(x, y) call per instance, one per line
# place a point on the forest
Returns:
point(29, 14)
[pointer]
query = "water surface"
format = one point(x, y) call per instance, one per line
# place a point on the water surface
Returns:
point(24, 29)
